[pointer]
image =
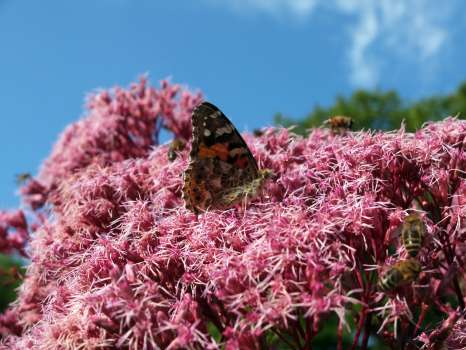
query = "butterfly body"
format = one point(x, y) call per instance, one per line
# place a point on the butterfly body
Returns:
point(222, 171)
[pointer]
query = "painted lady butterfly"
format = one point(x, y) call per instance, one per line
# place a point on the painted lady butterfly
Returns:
point(222, 171)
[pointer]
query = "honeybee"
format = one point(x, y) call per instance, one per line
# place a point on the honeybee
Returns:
point(258, 132)
point(413, 231)
point(175, 146)
point(403, 272)
point(339, 123)
point(22, 178)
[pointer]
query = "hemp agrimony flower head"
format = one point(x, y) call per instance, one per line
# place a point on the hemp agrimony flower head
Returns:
point(117, 260)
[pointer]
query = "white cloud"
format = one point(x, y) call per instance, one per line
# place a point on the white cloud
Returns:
point(389, 30)
point(384, 30)
point(364, 69)
point(298, 8)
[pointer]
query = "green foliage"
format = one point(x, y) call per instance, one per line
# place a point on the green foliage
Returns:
point(8, 281)
point(383, 110)
point(325, 339)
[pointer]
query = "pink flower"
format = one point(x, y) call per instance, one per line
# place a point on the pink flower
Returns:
point(14, 232)
point(457, 337)
point(121, 263)
point(120, 124)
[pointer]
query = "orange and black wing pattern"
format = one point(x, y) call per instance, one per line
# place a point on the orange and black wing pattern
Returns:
point(220, 161)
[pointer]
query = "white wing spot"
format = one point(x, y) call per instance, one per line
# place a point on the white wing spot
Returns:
point(225, 130)
point(216, 114)
point(206, 132)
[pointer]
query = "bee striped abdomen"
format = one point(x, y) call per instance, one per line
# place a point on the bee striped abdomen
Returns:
point(412, 234)
point(412, 243)
point(390, 280)
point(403, 272)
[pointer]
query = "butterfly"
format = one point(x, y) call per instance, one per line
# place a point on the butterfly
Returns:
point(222, 170)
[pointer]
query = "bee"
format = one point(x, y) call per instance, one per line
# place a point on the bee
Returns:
point(258, 132)
point(413, 231)
point(339, 123)
point(175, 146)
point(403, 272)
point(22, 178)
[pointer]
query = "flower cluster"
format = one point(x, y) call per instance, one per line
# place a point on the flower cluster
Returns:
point(120, 262)
point(14, 232)
point(120, 124)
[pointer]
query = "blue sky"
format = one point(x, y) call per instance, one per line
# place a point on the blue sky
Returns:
point(252, 58)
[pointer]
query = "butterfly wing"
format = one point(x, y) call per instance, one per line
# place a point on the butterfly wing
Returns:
point(220, 160)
